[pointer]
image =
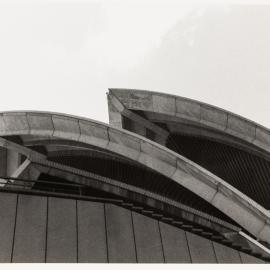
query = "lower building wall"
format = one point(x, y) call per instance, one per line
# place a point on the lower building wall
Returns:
point(50, 229)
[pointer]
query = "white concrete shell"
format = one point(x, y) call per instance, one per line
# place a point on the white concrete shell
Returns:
point(217, 192)
point(179, 109)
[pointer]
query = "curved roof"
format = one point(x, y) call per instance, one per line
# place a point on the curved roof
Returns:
point(178, 108)
point(250, 215)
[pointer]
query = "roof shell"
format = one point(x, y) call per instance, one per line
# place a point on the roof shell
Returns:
point(217, 192)
point(197, 112)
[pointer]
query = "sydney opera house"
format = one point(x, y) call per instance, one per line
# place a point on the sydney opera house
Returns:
point(169, 180)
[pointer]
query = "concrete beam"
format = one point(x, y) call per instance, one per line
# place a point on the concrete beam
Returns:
point(124, 190)
point(25, 171)
point(18, 173)
point(20, 149)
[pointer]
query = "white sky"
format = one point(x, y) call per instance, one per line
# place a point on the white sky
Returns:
point(64, 56)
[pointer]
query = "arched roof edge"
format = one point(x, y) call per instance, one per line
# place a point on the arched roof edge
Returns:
point(217, 192)
point(204, 114)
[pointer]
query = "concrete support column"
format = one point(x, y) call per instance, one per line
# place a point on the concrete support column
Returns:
point(13, 161)
point(115, 117)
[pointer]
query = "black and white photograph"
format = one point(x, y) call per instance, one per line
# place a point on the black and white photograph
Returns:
point(134, 132)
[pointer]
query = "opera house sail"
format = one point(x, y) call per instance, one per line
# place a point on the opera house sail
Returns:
point(169, 180)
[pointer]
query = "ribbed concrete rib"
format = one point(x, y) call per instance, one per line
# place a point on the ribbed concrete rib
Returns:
point(245, 134)
point(156, 157)
point(185, 108)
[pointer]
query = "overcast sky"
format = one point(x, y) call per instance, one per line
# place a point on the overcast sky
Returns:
point(63, 57)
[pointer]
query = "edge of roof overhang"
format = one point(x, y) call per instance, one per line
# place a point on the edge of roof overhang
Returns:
point(203, 114)
point(250, 215)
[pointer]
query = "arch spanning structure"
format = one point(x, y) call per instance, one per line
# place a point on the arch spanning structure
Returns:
point(183, 110)
point(163, 118)
point(52, 154)
point(27, 132)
